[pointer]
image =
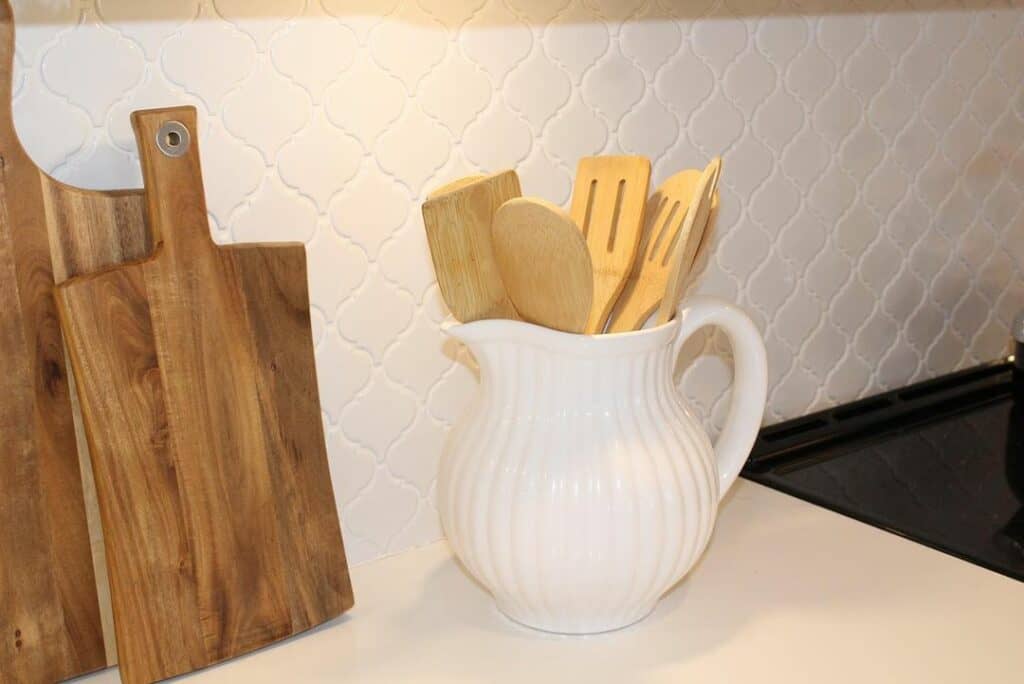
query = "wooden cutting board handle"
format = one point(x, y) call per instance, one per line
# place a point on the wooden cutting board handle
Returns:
point(169, 154)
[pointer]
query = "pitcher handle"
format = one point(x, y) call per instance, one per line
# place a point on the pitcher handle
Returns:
point(750, 379)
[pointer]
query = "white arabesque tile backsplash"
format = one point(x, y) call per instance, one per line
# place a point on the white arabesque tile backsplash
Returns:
point(872, 217)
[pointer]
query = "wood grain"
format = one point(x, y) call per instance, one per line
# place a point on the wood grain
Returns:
point(663, 231)
point(545, 264)
point(205, 428)
point(458, 219)
point(685, 252)
point(55, 616)
point(608, 202)
point(90, 231)
point(455, 185)
point(50, 626)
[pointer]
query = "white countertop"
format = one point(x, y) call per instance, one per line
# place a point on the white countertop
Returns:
point(787, 592)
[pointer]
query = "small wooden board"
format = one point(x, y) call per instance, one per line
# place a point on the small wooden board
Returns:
point(199, 394)
point(55, 615)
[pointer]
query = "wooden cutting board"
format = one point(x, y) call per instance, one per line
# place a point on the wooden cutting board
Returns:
point(55, 615)
point(199, 395)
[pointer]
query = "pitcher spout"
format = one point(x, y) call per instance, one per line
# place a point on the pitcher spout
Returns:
point(463, 332)
point(470, 334)
point(482, 338)
point(478, 333)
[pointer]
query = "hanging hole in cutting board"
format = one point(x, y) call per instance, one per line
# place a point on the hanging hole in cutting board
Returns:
point(173, 139)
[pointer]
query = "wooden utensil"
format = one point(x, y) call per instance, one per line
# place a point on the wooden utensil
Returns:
point(608, 203)
point(458, 218)
point(455, 185)
point(55, 615)
point(545, 264)
point(663, 232)
point(694, 229)
point(199, 394)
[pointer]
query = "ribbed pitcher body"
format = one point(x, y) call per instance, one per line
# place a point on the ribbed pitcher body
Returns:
point(578, 488)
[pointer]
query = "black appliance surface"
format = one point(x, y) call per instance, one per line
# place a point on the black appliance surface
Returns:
point(941, 463)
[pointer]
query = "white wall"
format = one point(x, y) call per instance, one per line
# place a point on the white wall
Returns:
point(872, 213)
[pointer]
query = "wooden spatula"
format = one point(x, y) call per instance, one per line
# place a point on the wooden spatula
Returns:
point(694, 229)
point(666, 213)
point(458, 218)
point(608, 203)
point(455, 185)
point(198, 389)
point(545, 264)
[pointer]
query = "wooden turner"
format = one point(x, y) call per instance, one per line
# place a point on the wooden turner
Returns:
point(545, 264)
point(456, 185)
point(608, 203)
point(199, 395)
point(666, 213)
point(457, 218)
point(694, 225)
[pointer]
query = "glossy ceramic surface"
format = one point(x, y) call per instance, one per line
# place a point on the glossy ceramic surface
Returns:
point(941, 463)
point(579, 487)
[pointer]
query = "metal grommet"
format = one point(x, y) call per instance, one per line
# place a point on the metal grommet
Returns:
point(173, 139)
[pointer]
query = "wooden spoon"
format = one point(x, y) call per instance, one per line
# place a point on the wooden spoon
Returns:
point(666, 213)
point(544, 263)
point(693, 228)
point(457, 218)
point(608, 204)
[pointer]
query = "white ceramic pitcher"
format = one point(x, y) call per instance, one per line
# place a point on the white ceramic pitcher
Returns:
point(579, 488)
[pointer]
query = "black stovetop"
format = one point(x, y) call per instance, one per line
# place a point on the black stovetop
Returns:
point(941, 463)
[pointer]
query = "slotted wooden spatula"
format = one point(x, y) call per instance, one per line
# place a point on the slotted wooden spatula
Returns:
point(694, 226)
point(198, 388)
point(608, 202)
point(458, 218)
point(663, 233)
point(545, 264)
